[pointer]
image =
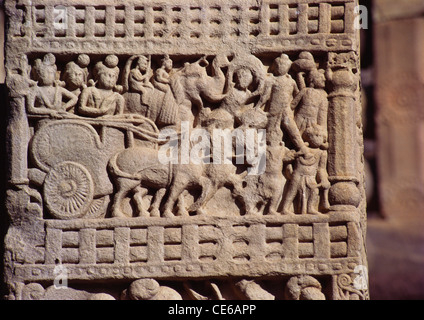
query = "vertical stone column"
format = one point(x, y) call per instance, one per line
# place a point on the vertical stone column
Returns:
point(18, 133)
point(342, 153)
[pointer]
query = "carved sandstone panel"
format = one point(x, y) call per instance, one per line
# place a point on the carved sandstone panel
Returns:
point(162, 144)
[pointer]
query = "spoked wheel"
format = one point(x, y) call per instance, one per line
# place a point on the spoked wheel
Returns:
point(68, 190)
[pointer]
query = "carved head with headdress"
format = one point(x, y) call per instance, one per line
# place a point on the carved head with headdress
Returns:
point(282, 65)
point(106, 73)
point(143, 63)
point(167, 63)
point(316, 79)
point(45, 70)
point(76, 73)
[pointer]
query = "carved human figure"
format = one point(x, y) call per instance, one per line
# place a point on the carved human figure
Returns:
point(309, 174)
point(262, 192)
point(162, 76)
point(311, 104)
point(143, 98)
point(18, 134)
point(279, 90)
point(48, 97)
point(138, 78)
point(239, 98)
point(76, 74)
point(19, 81)
point(101, 99)
point(303, 66)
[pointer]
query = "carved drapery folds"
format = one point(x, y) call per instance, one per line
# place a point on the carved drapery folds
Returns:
point(153, 157)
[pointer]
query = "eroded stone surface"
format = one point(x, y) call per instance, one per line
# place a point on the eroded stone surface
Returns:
point(159, 145)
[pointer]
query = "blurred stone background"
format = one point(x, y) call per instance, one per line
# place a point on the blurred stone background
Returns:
point(392, 50)
point(393, 82)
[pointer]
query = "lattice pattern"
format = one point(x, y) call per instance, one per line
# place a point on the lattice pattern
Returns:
point(239, 243)
point(166, 21)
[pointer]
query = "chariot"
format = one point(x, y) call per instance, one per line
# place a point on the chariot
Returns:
point(71, 156)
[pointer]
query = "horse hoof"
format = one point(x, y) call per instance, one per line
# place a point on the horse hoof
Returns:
point(313, 212)
point(183, 213)
point(145, 214)
point(155, 213)
point(201, 212)
point(168, 214)
point(118, 214)
point(273, 213)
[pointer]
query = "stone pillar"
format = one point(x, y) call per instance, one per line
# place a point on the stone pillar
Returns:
point(342, 168)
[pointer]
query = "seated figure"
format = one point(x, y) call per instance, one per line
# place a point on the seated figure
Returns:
point(48, 97)
point(101, 99)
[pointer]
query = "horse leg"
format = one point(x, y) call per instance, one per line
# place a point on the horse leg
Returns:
point(213, 189)
point(124, 187)
point(139, 193)
point(182, 210)
point(176, 190)
point(206, 185)
point(154, 209)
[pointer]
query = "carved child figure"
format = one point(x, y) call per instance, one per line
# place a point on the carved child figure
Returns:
point(101, 99)
point(309, 174)
point(47, 98)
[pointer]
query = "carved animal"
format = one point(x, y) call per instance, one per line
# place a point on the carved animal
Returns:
point(137, 169)
point(262, 193)
point(193, 83)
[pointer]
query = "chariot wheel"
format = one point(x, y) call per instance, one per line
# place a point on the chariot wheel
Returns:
point(68, 190)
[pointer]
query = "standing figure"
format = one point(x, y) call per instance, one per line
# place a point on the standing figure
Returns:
point(280, 90)
point(277, 97)
point(311, 104)
point(303, 66)
point(309, 174)
point(48, 97)
point(101, 99)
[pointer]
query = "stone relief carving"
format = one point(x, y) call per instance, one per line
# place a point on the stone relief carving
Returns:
point(139, 112)
point(162, 163)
